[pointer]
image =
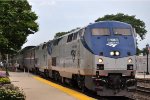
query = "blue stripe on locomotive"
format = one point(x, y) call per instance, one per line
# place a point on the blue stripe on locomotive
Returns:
point(97, 44)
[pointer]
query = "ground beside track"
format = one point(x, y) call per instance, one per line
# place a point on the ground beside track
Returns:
point(37, 88)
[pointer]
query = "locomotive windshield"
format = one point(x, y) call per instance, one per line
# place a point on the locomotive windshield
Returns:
point(121, 31)
point(100, 31)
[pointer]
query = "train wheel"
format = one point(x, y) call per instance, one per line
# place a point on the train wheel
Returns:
point(37, 71)
point(59, 78)
point(83, 88)
point(74, 81)
point(64, 80)
point(54, 75)
point(81, 83)
point(33, 70)
point(46, 73)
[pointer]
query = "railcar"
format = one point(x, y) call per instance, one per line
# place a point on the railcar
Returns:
point(29, 59)
point(99, 57)
point(25, 58)
point(42, 59)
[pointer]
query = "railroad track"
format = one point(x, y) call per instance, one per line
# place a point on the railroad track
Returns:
point(146, 80)
point(143, 90)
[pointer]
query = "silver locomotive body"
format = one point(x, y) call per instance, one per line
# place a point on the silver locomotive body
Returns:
point(99, 57)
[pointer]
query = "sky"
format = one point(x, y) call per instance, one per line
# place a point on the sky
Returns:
point(63, 15)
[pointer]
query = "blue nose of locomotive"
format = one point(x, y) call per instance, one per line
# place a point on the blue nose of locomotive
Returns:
point(113, 46)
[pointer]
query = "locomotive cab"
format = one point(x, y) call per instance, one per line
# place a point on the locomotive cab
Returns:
point(113, 47)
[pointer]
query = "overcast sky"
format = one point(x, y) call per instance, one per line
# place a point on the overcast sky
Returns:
point(64, 15)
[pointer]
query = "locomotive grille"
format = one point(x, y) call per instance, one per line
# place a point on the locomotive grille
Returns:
point(114, 81)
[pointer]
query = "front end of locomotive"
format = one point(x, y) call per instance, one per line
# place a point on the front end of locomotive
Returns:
point(113, 46)
point(114, 77)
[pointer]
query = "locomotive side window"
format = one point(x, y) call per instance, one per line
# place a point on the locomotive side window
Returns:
point(100, 31)
point(75, 36)
point(44, 46)
point(70, 37)
point(121, 31)
point(55, 42)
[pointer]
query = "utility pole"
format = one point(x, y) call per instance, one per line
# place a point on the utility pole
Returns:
point(147, 52)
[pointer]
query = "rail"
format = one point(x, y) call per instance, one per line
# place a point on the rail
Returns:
point(143, 90)
point(146, 80)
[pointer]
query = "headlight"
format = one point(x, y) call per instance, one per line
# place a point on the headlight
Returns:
point(112, 53)
point(129, 60)
point(117, 53)
point(100, 60)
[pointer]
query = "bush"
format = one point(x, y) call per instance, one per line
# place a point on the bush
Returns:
point(4, 81)
point(10, 86)
point(10, 92)
point(2, 74)
point(7, 94)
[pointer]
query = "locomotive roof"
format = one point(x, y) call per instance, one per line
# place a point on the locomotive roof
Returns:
point(74, 31)
point(25, 48)
point(95, 24)
point(116, 23)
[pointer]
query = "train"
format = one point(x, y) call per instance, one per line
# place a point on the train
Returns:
point(100, 57)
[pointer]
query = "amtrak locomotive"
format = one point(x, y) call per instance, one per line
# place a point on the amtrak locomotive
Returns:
point(99, 57)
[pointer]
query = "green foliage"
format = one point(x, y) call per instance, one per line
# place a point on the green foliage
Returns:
point(17, 21)
point(144, 51)
point(63, 33)
point(7, 94)
point(11, 92)
point(136, 23)
point(60, 34)
point(10, 86)
point(3, 41)
point(4, 80)
point(138, 51)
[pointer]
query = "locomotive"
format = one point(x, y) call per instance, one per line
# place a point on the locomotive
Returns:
point(99, 57)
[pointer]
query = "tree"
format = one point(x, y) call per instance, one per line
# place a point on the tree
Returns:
point(136, 23)
point(138, 51)
point(17, 21)
point(144, 51)
point(60, 34)
point(63, 33)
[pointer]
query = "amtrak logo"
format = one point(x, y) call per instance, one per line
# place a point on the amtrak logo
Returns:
point(112, 42)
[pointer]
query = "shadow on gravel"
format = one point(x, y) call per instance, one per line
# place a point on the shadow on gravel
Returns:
point(114, 98)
